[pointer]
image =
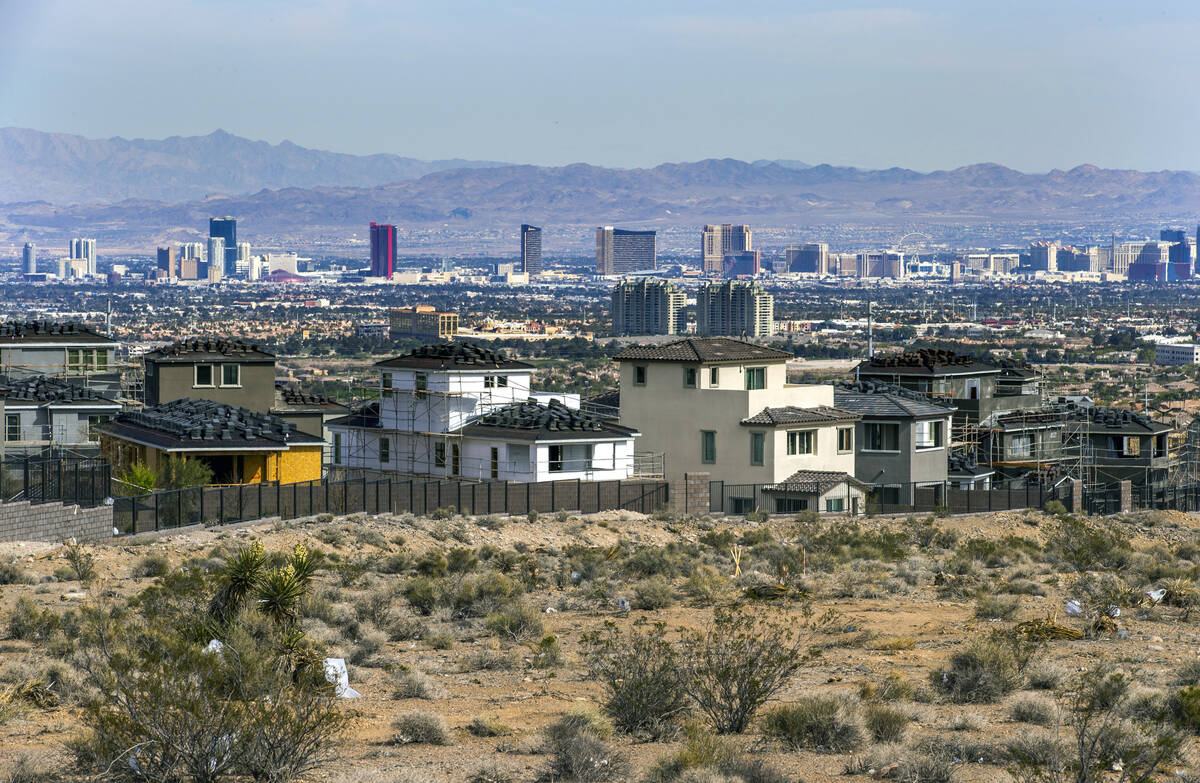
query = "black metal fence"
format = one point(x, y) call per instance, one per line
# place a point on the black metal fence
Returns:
point(1105, 499)
point(247, 502)
point(70, 480)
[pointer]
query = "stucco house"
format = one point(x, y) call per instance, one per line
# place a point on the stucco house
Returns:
point(68, 351)
point(44, 412)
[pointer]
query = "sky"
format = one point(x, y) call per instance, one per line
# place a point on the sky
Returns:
point(922, 85)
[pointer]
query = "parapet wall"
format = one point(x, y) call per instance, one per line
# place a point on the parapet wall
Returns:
point(54, 522)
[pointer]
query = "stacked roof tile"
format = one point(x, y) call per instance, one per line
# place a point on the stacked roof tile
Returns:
point(207, 424)
point(931, 361)
point(48, 331)
point(454, 356)
point(703, 349)
point(45, 389)
point(196, 347)
point(875, 398)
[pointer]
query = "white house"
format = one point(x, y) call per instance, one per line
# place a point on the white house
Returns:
point(42, 412)
point(723, 406)
point(462, 410)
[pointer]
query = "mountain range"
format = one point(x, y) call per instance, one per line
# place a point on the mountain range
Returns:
point(474, 196)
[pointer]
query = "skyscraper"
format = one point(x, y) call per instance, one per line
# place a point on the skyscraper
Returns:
point(716, 242)
point(531, 250)
point(619, 251)
point(29, 258)
point(383, 250)
point(743, 263)
point(735, 308)
point(812, 258)
point(648, 306)
point(226, 229)
point(84, 248)
point(216, 259)
point(168, 263)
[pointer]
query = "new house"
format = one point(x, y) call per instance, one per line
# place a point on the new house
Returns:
point(43, 412)
point(230, 372)
point(723, 406)
point(1121, 445)
point(67, 351)
point(463, 410)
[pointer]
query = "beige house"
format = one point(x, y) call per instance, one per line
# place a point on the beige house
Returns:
point(723, 406)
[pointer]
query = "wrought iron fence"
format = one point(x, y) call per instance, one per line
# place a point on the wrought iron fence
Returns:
point(247, 502)
point(71, 480)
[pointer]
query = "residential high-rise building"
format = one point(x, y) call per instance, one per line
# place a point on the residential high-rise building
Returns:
point(880, 264)
point(190, 250)
point(226, 229)
point(531, 250)
point(29, 259)
point(735, 308)
point(648, 306)
point(168, 262)
point(1043, 256)
point(86, 249)
point(216, 258)
point(716, 242)
point(619, 251)
point(383, 250)
point(812, 258)
point(1182, 254)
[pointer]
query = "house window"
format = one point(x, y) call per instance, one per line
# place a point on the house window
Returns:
point(930, 434)
point(689, 377)
point(1130, 446)
point(12, 427)
point(455, 462)
point(439, 455)
point(101, 359)
point(845, 439)
point(881, 436)
point(1020, 446)
point(73, 359)
point(231, 375)
point(385, 450)
point(708, 446)
point(337, 448)
point(386, 383)
point(489, 381)
point(835, 505)
point(501, 381)
point(639, 375)
point(756, 378)
point(204, 376)
point(495, 462)
point(556, 459)
point(973, 389)
point(801, 442)
point(790, 505)
point(714, 376)
point(758, 443)
point(421, 382)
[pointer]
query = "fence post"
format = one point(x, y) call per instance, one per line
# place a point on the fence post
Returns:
point(579, 495)
point(528, 497)
point(553, 504)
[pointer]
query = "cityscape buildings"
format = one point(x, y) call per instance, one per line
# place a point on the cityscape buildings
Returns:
point(168, 262)
point(736, 308)
point(85, 249)
point(621, 251)
point(811, 258)
point(226, 229)
point(648, 306)
point(531, 250)
point(717, 242)
point(29, 259)
point(383, 250)
point(424, 322)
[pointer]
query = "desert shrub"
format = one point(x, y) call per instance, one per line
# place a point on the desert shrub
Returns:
point(653, 561)
point(439, 514)
point(439, 640)
point(421, 728)
point(826, 723)
point(82, 562)
point(969, 721)
point(707, 758)
point(13, 574)
point(421, 594)
point(885, 722)
point(705, 583)
point(532, 516)
point(489, 660)
point(585, 758)
point(483, 594)
point(893, 687)
point(488, 727)
point(982, 673)
point(990, 606)
point(28, 623)
point(653, 593)
point(1086, 546)
point(151, 566)
point(1055, 508)
point(25, 769)
point(461, 560)
point(519, 622)
point(432, 563)
point(1188, 673)
point(398, 563)
point(638, 671)
point(547, 653)
point(1038, 711)
point(739, 661)
point(412, 684)
point(581, 720)
point(922, 768)
point(1036, 750)
point(1043, 675)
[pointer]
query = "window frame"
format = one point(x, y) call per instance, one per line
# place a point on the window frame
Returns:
point(885, 426)
point(196, 377)
point(455, 459)
point(835, 505)
point(758, 448)
point(495, 462)
point(12, 423)
point(337, 448)
point(708, 447)
point(385, 450)
point(439, 455)
point(786, 505)
point(756, 378)
point(714, 377)
point(421, 385)
point(1026, 452)
point(555, 463)
point(237, 369)
point(639, 374)
point(793, 444)
point(849, 447)
point(691, 378)
point(935, 426)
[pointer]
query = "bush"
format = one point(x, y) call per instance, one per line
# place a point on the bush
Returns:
point(893, 687)
point(585, 758)
point(30, 624)
point(82, 562)
point(732, 667)
point(519, 622)
point(421, 594)
point(989, 606)
point(1037, 711)
point(581, 720)
point(421, 728)
point(826, 723)
point(980, 674)
point(413, 684)
point(547, 653)
point(461, 560)
point(491, 772)
point(12, 574)
point(654, 593)
point(432, 563)
point(151, 566)
point(488, 727)
point(1043, 676)
point(1087, 547)
point(1056, 508)
point(707, 758)
point(638, 672)
point(886, 723)
point(398, 563)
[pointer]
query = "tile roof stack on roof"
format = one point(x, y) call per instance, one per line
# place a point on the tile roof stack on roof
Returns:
point(530, 415)
point(790, 414)
point(184, 349)
point(930, 361)
point(875, 398)
point(704, 349)
point(292, 396)
point(203, 420)
point(42, 388)
point(52, 331)
point(452, 356)
point(1114, 419)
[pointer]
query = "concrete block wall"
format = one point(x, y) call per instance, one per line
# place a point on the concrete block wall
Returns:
point(54, 522)
point(690, 495)
point(1126, 496)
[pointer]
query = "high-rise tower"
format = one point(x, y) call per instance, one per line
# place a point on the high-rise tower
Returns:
point(226, 229)
point(383, 250)
point(531, 250)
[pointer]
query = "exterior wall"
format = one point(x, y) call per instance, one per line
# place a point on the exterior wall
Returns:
point(166, 382)
point(42, 426)
point(298, 463)
point(26, 361)
point(54, 522)
point(671, 417)
point(451, 399)
point(905, 466)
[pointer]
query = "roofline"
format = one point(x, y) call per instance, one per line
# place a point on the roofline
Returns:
point(523, 367)
point(760, 360)
point(60, 343)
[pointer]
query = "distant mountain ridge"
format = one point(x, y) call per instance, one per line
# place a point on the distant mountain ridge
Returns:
point(65, 169)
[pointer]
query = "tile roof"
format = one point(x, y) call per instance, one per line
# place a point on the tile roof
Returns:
point(703, 349)
point(43, 389)
point(366, 416)
point(814, 482)
point(875, 398)
point(927, 361)
point(455, 356)
point(966, 465)
point(1100, 419)
point(188, 424)
point(202, 348)
point(530, 420)
point(292, 398)
point(49, 332)
point(790, 414)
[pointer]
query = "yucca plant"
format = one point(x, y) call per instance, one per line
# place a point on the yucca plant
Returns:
point(279, 593)
point(239, 576)
point(305, 563)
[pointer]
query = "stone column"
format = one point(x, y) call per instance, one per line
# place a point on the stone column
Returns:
point(1126, 496)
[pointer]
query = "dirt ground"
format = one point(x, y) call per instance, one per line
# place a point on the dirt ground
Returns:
point(887, 625)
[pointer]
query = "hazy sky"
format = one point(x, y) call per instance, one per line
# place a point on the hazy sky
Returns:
point(925, 85)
